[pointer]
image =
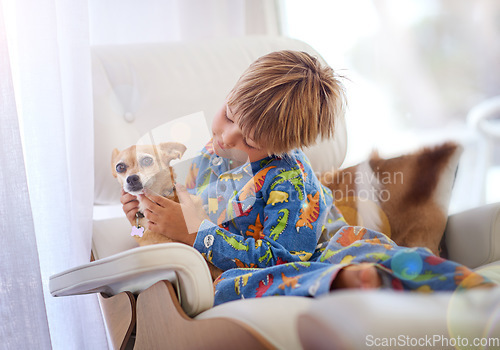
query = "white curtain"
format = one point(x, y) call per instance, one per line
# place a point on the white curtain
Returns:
point(21, 297)
point(46, 140)
point(46, 88)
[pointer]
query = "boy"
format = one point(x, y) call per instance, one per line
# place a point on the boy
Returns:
point(266, 209)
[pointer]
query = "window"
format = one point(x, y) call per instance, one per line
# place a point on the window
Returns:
point(415, 69)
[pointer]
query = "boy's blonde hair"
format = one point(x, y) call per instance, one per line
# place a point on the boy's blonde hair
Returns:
point(286, 100)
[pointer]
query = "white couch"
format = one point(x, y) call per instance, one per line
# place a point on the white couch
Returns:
point(139, 88)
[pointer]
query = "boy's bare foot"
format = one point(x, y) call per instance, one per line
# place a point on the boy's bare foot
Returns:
point(361, 276)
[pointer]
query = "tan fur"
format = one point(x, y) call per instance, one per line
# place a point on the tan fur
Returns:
point(415, 216)
point(148, 166)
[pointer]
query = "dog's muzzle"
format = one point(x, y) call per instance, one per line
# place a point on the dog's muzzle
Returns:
point(134, 183)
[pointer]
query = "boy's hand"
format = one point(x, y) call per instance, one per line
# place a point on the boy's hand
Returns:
point(130, 206)
point(179, 221)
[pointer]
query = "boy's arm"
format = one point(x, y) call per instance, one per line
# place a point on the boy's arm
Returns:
point(287, 232)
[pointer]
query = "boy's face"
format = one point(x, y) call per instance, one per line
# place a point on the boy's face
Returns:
point(229, 141)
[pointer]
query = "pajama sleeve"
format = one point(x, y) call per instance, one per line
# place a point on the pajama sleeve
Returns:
point(285, 230)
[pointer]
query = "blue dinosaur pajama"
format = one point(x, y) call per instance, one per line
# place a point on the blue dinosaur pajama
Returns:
point(401, 268)
point(274, 230)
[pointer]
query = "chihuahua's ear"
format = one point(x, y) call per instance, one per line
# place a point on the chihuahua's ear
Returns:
point(172, 150)
point(114, 155)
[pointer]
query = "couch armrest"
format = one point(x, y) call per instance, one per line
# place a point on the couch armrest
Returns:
point(137, 269)
point(473, 237)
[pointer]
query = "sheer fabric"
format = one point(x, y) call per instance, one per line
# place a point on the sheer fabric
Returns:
point(49, 229)
point(21, 296)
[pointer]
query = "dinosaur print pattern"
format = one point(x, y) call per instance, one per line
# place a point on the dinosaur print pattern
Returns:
point(293, 176)
point(310, 212)
point(291, 282)
point(231, 177)
point(255, 230)
point(268, 254)
point(233, 242)
point(205, 181)
point(303, 255)
point(240, 282)
point(277, 230)
point(253, 210)
point(277, 197)
point(313, 278)
point(264, 285)
point(255, 184)
point(273, 229)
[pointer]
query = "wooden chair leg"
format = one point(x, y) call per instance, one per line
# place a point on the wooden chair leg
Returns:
point(119, 315)
point(162, 324)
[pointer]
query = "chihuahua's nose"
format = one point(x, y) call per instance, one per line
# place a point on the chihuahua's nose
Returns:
point(133, 180)
point(134, 183)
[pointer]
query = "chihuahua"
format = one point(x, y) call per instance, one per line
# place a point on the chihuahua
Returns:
point(148, 166)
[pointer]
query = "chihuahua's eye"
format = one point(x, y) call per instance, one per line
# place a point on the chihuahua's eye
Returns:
point(146, 161)
point(121, 168)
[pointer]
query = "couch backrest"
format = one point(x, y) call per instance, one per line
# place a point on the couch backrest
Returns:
point(139, 88)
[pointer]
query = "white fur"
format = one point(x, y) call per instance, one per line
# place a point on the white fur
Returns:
point(443, 191)
point(367, 182)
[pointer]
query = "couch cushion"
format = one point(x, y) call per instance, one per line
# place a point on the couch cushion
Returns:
point(111, 236)
point(358, 319)
point(354, 319)
point(473, 236)
point(274, 317)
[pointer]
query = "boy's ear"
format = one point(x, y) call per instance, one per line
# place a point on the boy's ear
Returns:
point(114, 155)
point(171, 150)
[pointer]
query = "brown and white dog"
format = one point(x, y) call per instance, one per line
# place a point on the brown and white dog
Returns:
point(148, 166)
point(405, 197)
